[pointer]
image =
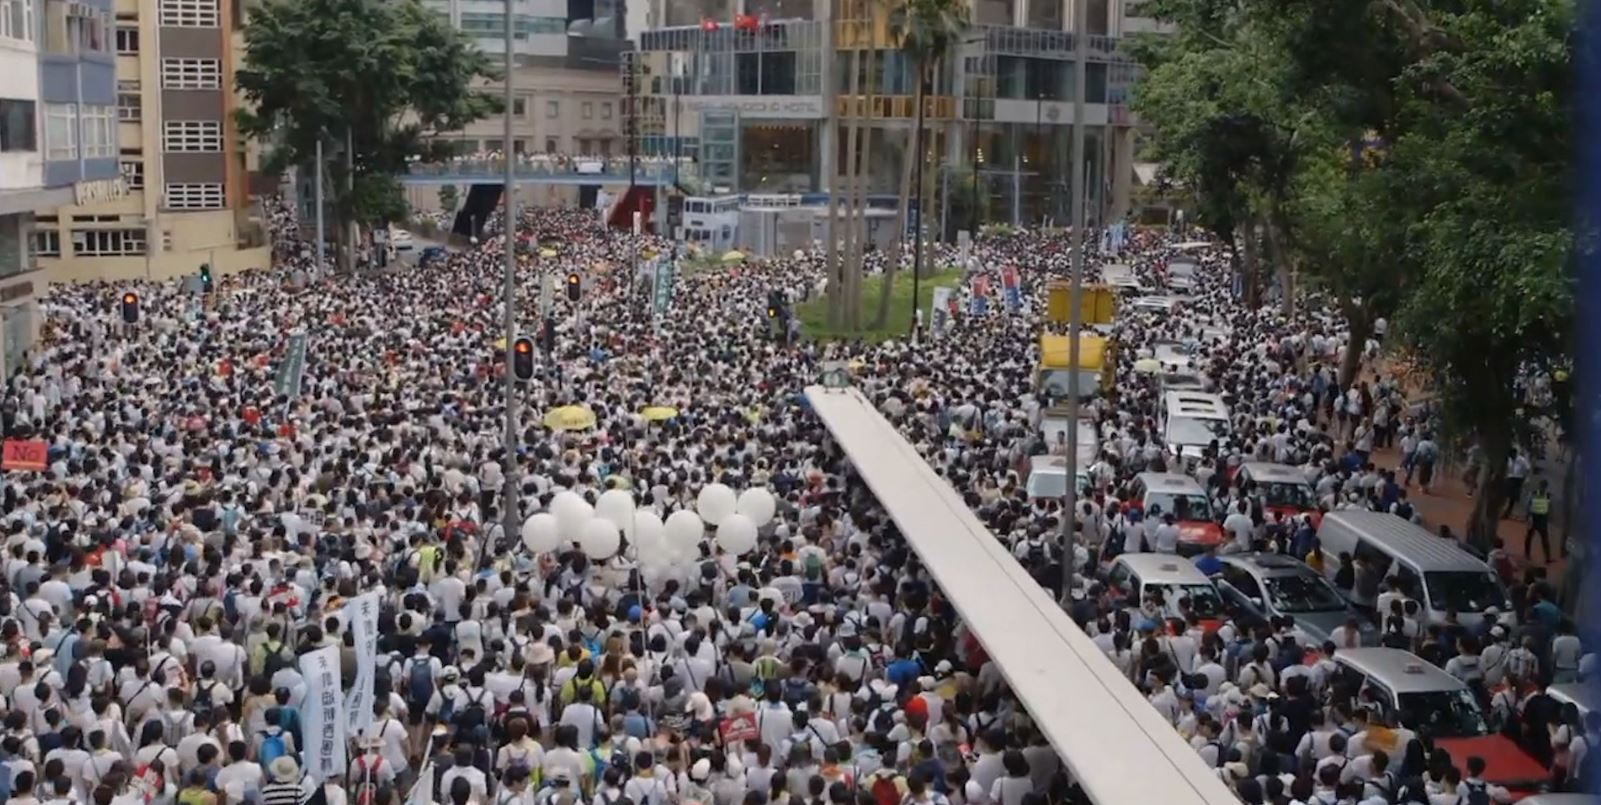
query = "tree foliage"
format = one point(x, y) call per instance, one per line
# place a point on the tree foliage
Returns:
point(1411, 157)
point(384, 77)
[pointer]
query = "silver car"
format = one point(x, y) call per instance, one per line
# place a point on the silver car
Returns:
point(1275, 586)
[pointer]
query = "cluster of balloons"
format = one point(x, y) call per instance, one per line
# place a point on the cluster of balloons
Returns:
point(599, 530)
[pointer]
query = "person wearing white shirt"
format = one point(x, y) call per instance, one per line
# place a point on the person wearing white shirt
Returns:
point(1474, 780)
point(1565, 653)
point(1239, 524)
point(583, 716)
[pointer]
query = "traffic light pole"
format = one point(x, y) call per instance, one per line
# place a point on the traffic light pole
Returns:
point(1075, 303)
point(509, 509)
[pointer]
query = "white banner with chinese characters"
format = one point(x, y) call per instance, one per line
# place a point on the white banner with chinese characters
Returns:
point(322, 725)
point(362, 615)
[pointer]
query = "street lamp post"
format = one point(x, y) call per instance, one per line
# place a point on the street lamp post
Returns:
point(1075, 299)
point(509, 506)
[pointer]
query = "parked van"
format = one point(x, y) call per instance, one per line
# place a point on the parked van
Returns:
point(1437, 706)
point(1282, 489)
point(1047, 477)
point(1191, 421)
point(1435, 572)
point(1134, 576)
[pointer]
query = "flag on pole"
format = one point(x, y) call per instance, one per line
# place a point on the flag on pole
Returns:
point(362, 615)
point(321, 723)
point(1012, 284)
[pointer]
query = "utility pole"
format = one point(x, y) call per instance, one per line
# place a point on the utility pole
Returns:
point(510, 510)
point(322, 238)
point(1075, 320)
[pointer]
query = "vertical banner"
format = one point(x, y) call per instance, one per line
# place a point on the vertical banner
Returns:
point(1012, 285)
point(981, 299)
point(940, 315)
point(362, 615)
point(964, 242)
point(664, 285)
point(321, 723)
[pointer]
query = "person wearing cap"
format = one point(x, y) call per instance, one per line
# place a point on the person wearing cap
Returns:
point(285, 787)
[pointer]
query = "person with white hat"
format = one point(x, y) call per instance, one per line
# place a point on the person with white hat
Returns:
point(285, 787)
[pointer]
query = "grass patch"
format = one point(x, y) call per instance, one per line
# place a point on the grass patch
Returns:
point(814, 313)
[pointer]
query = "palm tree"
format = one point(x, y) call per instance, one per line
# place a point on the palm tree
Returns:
point(929, 31)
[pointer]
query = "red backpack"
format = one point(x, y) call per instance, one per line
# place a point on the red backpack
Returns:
point(884, 789)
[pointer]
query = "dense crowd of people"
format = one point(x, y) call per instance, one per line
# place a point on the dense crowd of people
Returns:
point(204, 522)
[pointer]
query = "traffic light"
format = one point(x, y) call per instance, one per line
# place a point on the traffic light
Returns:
point(522, 358)
point(772, 311)
point(575, 286)
point(130, 308)
point(205, 277)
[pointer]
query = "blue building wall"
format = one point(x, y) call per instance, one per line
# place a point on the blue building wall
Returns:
point(86, 78)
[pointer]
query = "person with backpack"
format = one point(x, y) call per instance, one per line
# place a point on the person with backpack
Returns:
point(370, 777)
point(1475, 790)
point(272, 654)
point(886, 786)
point(273, 742)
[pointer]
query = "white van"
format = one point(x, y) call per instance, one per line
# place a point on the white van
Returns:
point(1191, 421)
point(1435, 572)
point(1047, 476)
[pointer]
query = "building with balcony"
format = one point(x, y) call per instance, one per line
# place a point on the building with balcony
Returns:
point(749, 104)
point(58, 140)
point(184, 172)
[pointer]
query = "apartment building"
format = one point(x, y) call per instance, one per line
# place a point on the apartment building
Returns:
point(58, 140)
point(178, 153)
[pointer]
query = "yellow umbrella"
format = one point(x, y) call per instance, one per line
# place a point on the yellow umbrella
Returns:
point(500, 343)
point(1147, 366)
point(856, 365)
point(734, 256)
point(547, 253)
point(570, 417)
point(658, 413)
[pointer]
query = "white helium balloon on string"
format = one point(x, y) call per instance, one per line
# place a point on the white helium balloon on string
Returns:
point(715, 502)
point(649, 535)
point(572, 512)
point(600, 539)
point(757, 504)
point(541, 533)
point(736, 534)
point(684, 530)
point(617, 506)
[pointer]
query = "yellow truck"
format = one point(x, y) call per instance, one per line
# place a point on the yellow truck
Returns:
point(1057, 377)
point(1100, 303)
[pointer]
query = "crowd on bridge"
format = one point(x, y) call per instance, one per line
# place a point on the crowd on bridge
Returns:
point(211, 526)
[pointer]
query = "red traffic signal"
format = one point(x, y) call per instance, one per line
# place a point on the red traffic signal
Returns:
point(575, 286)
point(522, 359)
point(130, 308)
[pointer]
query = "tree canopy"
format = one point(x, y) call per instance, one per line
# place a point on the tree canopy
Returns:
point(1410, 158)
point(385, 77)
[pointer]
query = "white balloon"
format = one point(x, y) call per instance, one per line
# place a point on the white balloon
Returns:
point(600, 539)
point(649, 536)
point(684, 530)
point(715, 502)
point(757, 504)
point(572, 512)
point(541, 533)
point(617, 506)
point(736, 534)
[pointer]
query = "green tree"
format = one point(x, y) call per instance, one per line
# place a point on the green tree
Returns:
point(374, 81)
point(928, 31)
point(448, 197)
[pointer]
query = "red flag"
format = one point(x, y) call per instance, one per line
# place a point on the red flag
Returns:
point(745, 22)
point(708, 24)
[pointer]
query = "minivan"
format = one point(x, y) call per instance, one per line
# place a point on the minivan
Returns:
point(1182, 497)
point(1435, 572)
point(1047, 477)
point(1133, 576)
point(1280, 586)
point(1437, 706)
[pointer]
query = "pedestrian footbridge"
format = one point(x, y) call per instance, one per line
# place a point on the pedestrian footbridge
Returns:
point(597, 172)
point(1115, 745)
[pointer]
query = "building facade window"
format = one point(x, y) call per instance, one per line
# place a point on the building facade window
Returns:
point(130, 104)
point(588, 110)
point(107, 242)
point(191, 136)
point(17, 126)
point(133, 174)
point(191, 74)
point(99, 132)
point(16, 19)
point(60, 131)
point(191, 14)
point(519, 107)
point(127, 40)
point(194, 196)
point(552, 109)
point(605, 110)
point(550, 145)
point(47, 243)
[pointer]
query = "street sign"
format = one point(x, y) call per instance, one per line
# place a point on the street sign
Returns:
point(293, 367)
